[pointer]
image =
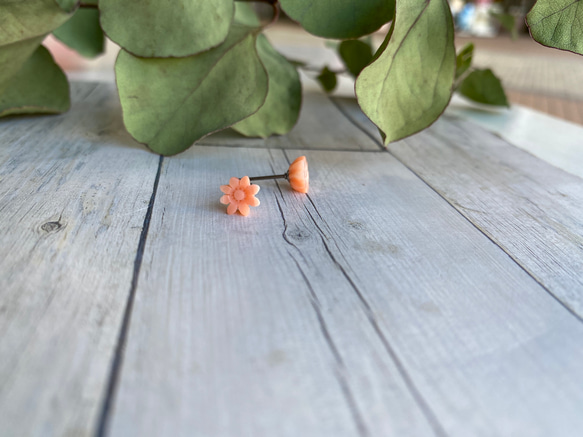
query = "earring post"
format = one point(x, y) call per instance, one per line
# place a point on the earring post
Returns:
point(263, 178)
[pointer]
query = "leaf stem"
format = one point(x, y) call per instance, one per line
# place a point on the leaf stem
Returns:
point(275, 17)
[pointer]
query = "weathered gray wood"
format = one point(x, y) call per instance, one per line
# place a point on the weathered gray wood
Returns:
point(554, 140)
point(74, 190)
point(533, 210)
point(321, 126)
point(370, 307)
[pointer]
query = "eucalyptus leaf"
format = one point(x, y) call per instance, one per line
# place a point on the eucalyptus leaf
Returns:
point(83, 33)
point(341, 19)
point(557, 23)
point(463, 60)
point(67, 5)
point(409, 85)
point(13, 56)
point(355, 54)
point(39, 87)
point(20, 20)
point(151, 28)
point(483, 86)
point(384, 44)
point(244, 14)
point(281, 109)
point(327, 79)
point(23, 25)
point(169, 104)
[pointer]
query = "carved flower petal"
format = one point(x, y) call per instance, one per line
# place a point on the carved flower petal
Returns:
point(226, 189)
point(244, 209)
point(252, 190)
point(234, 182)
point(299, 176)
point(245, 182)
point(225, 200)
point(232, 208)
point(252, 201)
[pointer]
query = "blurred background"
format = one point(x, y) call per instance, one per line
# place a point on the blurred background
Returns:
point(534, 76)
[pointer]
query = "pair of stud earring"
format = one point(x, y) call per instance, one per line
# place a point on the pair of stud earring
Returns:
point(239, 195)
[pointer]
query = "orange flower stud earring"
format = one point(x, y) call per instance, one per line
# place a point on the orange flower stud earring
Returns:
point(297, 175)
point(239, 195)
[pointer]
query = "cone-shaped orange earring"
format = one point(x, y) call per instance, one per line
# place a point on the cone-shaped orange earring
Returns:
point(297, 175)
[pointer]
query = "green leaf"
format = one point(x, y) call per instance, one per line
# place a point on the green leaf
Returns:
point(327, 79)
point(341, 19)
point(384, 44)
point(169, 104)
point(67, 5)
point(507, 22)
point(281, 109)
point(20, 20)
point(557, 23)
point(83, 33)
point(244, 14)
point(39, 87)
point(23, 26)
point(13, 56)
point(355, 54)
point(151, 28)
point(483, 86)
point(463, 60)
point(409, 85)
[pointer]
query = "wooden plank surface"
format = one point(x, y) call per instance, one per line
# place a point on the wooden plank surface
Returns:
point(532, 210)
point(370, 307)
point(555, 141)
point(321, 126)
point(74, 190)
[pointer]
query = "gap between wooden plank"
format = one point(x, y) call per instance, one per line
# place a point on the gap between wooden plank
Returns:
point(553, 140)
point(438, 429)
point(234, 146)
point(197, 287)
point(340, 369)
point(320, 126)
point(219, 293)
point(513, 257)
point(414, 391)
point(370, 135)
point(117, 362)
point(74, 212)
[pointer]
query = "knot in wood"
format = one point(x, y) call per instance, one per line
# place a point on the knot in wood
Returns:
point(51, 226)
point(298, 234)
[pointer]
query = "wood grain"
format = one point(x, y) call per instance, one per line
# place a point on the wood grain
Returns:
point(370, 307)
point(553, 140)
point(74, 190)
point(532, 210)
point(321, 126)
